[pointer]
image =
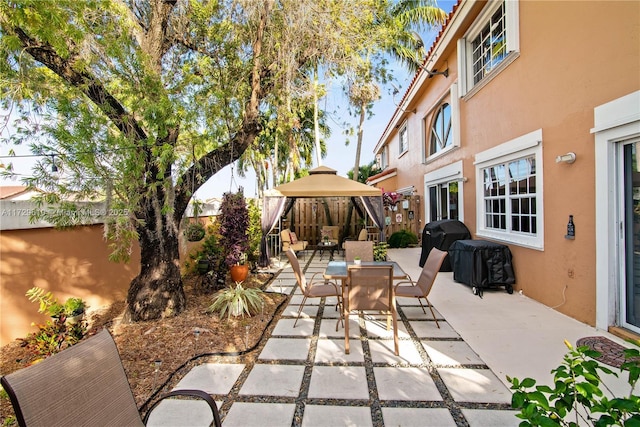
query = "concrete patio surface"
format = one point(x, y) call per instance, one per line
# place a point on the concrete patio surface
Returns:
point(451, 376)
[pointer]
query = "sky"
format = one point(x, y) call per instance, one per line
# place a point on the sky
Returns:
point(340, 157)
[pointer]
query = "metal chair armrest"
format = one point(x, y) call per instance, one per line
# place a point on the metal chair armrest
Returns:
point(404, 281)
point(193, 393)
point(313, 280)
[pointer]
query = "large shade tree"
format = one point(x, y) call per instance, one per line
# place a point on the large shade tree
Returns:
point(140, 102)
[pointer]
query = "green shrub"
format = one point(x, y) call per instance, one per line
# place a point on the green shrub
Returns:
point(57, 334)
point(578, 393)
point(402, 239)
point(254, 231)
point(210, 251)
point(236, 301)
point(49, 305)
point(380, 251)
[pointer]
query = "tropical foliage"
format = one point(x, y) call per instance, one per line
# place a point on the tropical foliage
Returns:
point(237, 301)
point(578, 395)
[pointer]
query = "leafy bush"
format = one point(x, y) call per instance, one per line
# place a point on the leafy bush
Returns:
point(254, 231)
point(49, 305)
point(237, 301)
point(380, 251)
point(54, 336)
point(402, 239)
point(578, 392)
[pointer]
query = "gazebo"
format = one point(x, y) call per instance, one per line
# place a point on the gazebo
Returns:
point(321, 182)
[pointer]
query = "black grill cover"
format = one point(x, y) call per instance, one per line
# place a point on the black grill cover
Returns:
point(440, 235)
point(481, 263)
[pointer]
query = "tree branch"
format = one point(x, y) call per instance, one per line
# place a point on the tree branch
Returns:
point(214, 161)
point(84, 82)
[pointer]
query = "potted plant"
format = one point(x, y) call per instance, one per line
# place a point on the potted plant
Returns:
point(74, 309)
point(194, 232)
point(325, 236)
point(357, 260)
point(234, 222)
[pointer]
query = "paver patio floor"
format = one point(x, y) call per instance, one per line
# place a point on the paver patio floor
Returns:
point(302, 377)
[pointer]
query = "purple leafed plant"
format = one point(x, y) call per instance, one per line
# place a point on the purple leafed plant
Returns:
point(234, 222)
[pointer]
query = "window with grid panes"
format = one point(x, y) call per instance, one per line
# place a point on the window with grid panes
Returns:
point(510, 196)
point(489, 47)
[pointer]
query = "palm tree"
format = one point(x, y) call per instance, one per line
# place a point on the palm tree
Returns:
point(404, 44)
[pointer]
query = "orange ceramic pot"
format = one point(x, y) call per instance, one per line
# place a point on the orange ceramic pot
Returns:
point(239, 273)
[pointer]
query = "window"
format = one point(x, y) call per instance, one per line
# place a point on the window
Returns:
point(441, 135)
point(443, 201)
point(491, 43)
point(510, 191)
point(489, 47)
point(403, 139)
point(443, 188)
point(441, 125)
point(382, 158)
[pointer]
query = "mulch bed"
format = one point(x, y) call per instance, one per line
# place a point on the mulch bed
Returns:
point(171, 341)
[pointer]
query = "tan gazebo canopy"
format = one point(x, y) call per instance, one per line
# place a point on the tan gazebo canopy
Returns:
point(323, 182)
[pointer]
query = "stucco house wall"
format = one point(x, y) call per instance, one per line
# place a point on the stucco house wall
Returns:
point(569, 61)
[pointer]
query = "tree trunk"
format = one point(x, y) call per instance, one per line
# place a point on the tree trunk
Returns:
point(316, 123)
point(157, 291)
point(356, 166)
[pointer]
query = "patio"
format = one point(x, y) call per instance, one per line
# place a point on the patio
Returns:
point(450, 376)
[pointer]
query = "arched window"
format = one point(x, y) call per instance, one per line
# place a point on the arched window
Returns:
point(441, 130)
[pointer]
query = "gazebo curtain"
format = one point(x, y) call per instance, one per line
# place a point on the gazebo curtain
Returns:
point(272, 209)
point(375, 210)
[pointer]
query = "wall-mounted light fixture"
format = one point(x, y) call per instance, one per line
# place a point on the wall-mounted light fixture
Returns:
point(418, 43)
point(435, 72)
point(566, 158)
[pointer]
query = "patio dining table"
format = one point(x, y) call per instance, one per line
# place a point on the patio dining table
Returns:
point(337, 270)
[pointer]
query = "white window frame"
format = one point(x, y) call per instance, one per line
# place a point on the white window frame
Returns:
point(404, 131)
point(382, 158)
point(445, 175)
point(523, 146)
point(427, 122)
point(465, 50)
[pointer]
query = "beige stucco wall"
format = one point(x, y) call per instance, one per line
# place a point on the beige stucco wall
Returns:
point(72, 262)
point(571, 60)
